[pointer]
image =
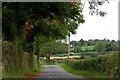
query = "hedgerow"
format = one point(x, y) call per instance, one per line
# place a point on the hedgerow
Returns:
point(107, 63)
point(15, 60)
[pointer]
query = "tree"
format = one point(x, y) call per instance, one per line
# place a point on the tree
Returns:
point(79, 49)
point(52, 47)
point(93, 7)
point(114, 47)
point(32, 19)
point(100, 46)
point(81, 42)
point(74, 43)
point(90, 42)
point(108, 46)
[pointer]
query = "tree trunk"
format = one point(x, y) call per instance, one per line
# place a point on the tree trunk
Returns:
point(48, 57)
point(38, 63)
point(31, 60)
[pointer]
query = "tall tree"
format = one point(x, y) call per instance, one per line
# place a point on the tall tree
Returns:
point(100, 46)
point(37, 18)
point(81, 42)
point(24, 20)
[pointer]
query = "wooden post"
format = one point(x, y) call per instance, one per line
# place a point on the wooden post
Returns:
point(68, 45)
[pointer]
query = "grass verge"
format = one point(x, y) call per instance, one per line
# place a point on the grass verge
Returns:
point(21, 74)
point(89, 74)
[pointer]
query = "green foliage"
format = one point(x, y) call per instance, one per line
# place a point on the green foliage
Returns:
point(88, 45)
point(90, 74)
point(89, 54)
point(15, 60)
point(107, 63)
point(87, 48)
point(100, 46)
point(31, 20)
point(10, 31)
point(112, 46)
point(53, 48)
point(82, 49)
point(45, 46)
point(51, 16)
point(62, 55)
point(81, 42)
point(73, 43)
point(93, 6)
point(79, 49)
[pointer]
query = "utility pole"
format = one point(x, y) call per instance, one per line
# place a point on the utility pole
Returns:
point(74, 50)
point(68, 44)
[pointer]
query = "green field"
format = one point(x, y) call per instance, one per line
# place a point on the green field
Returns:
point(84, 48)
point(87, 48)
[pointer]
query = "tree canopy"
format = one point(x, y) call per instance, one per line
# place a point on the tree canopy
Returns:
point(33, 18)
point(24, 20)
point(100, 46)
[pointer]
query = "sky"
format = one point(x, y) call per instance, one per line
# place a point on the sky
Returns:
point(96, 27)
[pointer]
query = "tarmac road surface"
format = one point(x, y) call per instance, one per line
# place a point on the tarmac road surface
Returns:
point(55, 71)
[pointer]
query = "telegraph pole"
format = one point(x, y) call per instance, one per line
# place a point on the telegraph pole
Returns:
point(68, 45)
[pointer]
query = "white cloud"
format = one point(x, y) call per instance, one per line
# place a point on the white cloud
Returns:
point(96, 27)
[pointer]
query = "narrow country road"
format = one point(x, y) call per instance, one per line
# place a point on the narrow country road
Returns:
point(55, 71)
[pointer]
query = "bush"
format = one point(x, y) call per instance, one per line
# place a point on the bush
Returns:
point(106, 63)
point(15, 60)
point(59, 60)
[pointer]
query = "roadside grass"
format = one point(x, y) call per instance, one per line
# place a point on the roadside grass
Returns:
point(36, 70)
point(27, 73)
point(42, 62)
point(32, 73)
point(21, 74)
point(89, 74)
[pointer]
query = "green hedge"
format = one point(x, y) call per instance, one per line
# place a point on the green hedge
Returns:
point(15, 60)
point(107, 63)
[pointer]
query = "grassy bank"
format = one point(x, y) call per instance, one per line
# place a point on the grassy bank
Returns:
point(32, 73)
point(16, 63)
point(36, 70)
point(21, 74)
point(90, 74)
